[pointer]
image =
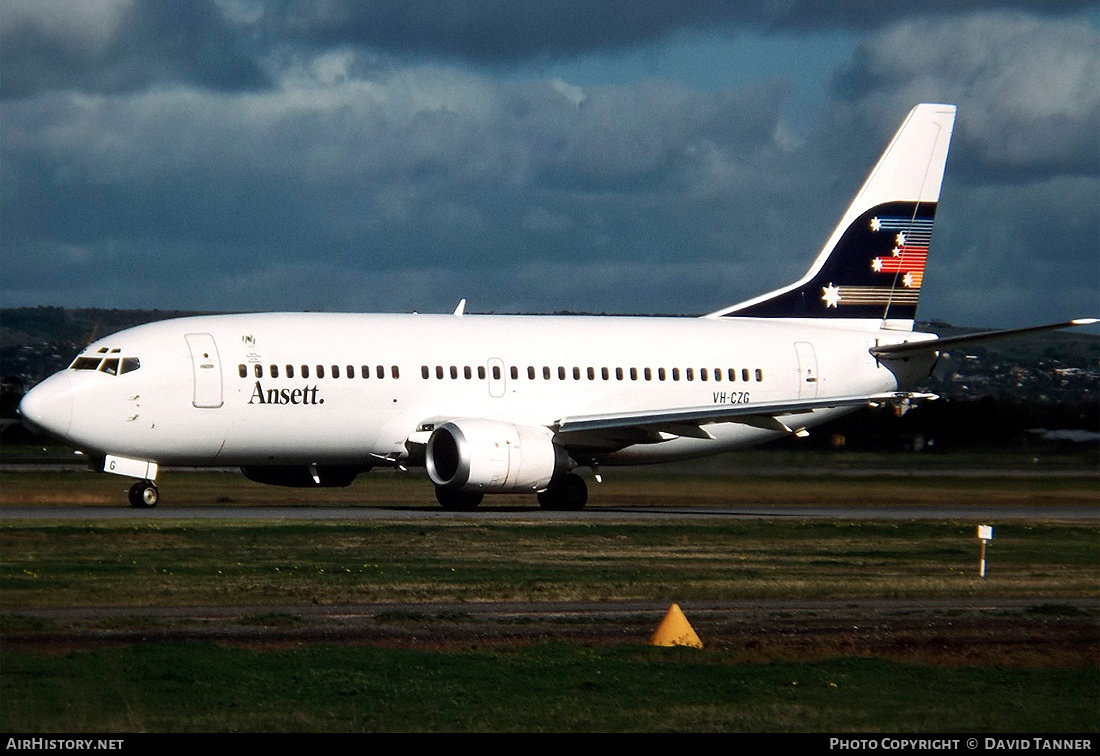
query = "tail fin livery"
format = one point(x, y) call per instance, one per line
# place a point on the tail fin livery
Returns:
point(872, 266)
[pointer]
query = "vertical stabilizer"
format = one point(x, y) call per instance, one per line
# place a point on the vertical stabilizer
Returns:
point(872, 267)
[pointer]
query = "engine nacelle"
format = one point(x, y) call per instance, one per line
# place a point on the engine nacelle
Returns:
point(491, 456)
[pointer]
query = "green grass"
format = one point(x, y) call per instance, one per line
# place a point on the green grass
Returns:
point(204, 562)
point(163, 687)
point(556, 688)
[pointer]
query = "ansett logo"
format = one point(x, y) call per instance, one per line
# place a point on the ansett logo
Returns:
point(306, 395)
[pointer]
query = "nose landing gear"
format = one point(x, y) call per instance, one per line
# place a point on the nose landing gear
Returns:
point(144, 494)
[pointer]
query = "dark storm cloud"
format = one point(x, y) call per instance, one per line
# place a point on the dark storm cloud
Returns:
point(1027, 88)
point(490, 31)
point(247, 155)
point(118, 46)
point(122, 47)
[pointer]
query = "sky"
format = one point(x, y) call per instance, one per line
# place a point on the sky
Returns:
point(598, 156)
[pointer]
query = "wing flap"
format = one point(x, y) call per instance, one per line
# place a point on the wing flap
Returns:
point(689, 421)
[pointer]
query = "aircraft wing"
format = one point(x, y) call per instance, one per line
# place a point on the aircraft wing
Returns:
point(658, 425)
point(937, 345)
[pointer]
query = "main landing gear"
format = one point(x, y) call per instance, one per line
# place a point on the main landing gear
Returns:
point(458, 501)
point(144, 494)
point(569, 493)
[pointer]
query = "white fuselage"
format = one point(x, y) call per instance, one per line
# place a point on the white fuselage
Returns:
point(270, 389)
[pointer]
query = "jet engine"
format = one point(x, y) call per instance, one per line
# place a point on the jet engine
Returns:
point(492, 456)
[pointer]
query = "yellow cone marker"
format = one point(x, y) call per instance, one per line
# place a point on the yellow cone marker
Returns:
point(675, 630)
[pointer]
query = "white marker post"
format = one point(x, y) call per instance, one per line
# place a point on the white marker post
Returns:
point(985, 533)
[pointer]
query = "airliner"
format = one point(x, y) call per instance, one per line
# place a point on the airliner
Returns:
point(506, 403)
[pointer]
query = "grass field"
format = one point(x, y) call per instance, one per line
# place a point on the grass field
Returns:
point(1000, 674)
point(550, 688)
point(182, 563)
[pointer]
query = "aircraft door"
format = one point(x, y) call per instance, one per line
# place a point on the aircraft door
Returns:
point(807, 369)
point(496, 377)
point(207, 370)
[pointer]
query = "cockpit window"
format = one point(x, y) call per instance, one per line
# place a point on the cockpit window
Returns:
point(108, 362)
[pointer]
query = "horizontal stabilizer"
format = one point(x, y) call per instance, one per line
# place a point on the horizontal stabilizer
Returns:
point(938, 345)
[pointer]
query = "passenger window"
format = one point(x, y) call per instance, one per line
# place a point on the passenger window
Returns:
point(129, 365)
point(335, 371)
point(660, 374)
point(648, 374)
point(576, 374)
point(675, 374)
point(591, 374)
point(242, 370)
point(759, 374)
point(364, 370)
point(514, 372)
point(481, 372)
point(703, 374)
point(274, 371)
point(454, 372)
point(438, 371)
point(289, 371)
point(732, 375)
point(530, 372)
point(604, 374)
point(691, 374)
point(424, 372)
point(744, 374)
point(561, 373)
point(349, 371)
point(259, 370)
point(496, 372)
point(320, 371)
point(395, 371)
point(717, 374)
point(381, 372)
point(305, 371)
point(467, 372)
point(546, 372)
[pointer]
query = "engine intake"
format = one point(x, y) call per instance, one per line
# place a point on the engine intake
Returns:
point(491, 456)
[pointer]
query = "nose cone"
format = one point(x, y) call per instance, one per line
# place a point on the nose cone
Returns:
point(48, 407)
